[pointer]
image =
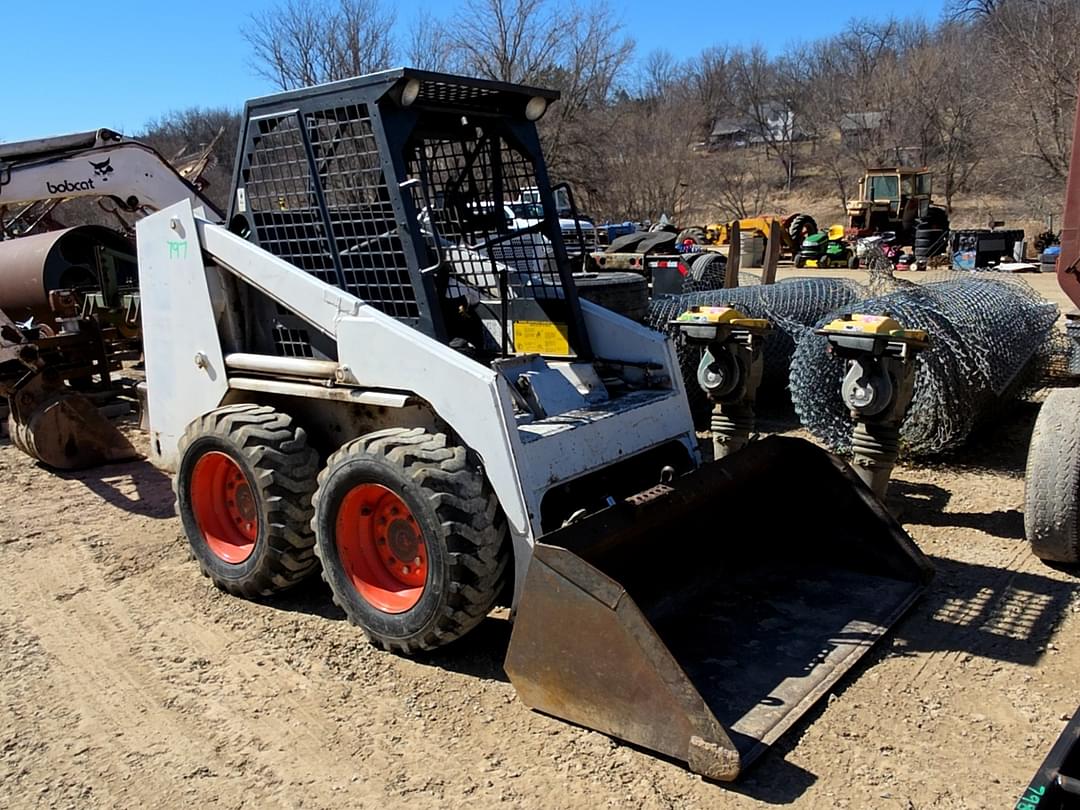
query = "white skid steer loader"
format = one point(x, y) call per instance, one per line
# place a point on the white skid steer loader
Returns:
point(366, 371)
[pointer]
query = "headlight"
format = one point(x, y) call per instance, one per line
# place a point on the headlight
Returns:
point(409, 92)
point(536, 108)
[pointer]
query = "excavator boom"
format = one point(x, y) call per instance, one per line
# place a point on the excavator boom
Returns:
point(101, 163)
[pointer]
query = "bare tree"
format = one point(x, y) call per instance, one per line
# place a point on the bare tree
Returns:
point(1034, 47)
point(182, 134)
point(577, 49)
point(429, 46)
point(298, 43)
point(768, 101)
point(741, 184)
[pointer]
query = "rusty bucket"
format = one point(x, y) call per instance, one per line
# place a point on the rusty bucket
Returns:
point(701, 619)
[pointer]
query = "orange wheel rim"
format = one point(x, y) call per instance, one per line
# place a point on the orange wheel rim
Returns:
point(381, 548)
point(224, 507)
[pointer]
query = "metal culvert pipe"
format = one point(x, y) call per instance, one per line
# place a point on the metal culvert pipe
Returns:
point(33, 266)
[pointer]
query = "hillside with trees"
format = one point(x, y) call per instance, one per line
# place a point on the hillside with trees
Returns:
point(984, 96)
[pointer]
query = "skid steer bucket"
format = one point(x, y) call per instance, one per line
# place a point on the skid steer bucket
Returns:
point(701, 619)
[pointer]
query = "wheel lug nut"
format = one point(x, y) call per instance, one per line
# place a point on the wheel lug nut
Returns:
point(416, 561)
point(404, 569)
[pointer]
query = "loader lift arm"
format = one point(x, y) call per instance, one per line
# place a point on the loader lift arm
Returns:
point(100, 163)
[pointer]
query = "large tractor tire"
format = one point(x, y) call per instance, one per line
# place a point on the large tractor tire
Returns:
point(694, 234)
point(1052, 479)
point(801, 226)
point(243, 492)
point(412, 541)
point(622, 292)
point(708, 272)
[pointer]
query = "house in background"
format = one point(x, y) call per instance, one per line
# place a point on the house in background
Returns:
point(728, 132)
point(774, 122)
point(862, 130)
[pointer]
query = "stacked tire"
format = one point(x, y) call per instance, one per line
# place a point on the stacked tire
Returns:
point(930, 234)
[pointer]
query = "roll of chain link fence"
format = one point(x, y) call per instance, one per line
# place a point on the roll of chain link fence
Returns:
point(989, 340)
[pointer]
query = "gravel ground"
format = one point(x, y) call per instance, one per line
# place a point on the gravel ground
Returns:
point(130, 681)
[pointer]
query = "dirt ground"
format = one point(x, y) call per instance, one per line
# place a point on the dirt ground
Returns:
point(130, 681)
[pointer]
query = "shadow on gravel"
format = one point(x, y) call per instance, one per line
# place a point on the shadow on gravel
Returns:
point(970, 610)
point(995, 613)
point(999, 445)
point(312, 597)
point(772, 779)
point(479, 654)
point(925, 504)
point(137, 487)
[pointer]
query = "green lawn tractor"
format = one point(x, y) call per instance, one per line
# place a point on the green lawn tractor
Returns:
point(826, 249)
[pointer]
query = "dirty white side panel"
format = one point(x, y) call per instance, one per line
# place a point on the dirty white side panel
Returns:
point(185, 370)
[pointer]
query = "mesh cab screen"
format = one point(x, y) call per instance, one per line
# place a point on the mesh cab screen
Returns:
point(296, 165)
point(474, 185)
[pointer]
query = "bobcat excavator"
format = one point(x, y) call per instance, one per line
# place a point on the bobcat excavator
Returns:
point(366, 373)
point(69, 298)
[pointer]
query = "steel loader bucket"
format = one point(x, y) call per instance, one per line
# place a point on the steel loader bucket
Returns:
point(702, 619)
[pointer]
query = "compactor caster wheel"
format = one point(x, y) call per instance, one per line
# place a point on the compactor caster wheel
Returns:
point(243, 493)
point(1052, 479)
point(412, 541)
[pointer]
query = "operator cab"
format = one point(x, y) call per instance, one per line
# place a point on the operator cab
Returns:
point(423, 194)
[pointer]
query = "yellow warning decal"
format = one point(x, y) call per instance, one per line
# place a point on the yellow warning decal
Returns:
point(541, 337)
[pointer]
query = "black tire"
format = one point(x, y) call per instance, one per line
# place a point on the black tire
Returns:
point(627, 243)
point(1052, 479)
point(824, 263)
point(800, 260)
point(853, 262)
point(279, 469)
point(928, 241)
point(457, 515)
point(708, 272)
point(661, 242)
point(622, 292)
point(695, 235)
point(801, 226)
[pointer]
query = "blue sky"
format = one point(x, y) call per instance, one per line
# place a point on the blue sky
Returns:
point(72, 65)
